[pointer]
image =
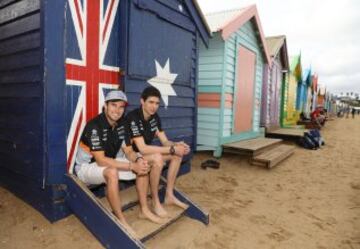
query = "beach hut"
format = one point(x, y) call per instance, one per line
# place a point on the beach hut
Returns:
point(303, 85)
point(230, 79)
point(290, 115)
point(306, 92)
point(57, 61)
point(314, 92)
point(321, 96)
point(273, 80)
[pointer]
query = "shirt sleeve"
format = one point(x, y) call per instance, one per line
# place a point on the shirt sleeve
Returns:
point(93, 139)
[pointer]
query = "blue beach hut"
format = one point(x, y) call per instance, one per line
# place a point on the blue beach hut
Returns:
point(230, 79)
point(57, 61)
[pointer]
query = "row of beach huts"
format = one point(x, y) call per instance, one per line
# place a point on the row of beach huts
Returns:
point(222, 82)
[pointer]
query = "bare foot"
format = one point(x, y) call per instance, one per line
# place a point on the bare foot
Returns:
point(160, 211)
point(147, 214)
point(129, 229)
point(174, 201)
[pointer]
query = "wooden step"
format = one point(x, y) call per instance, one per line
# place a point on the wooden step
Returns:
point(274, 156)
point(251, 147)
point(147, 229)
point(144, 228)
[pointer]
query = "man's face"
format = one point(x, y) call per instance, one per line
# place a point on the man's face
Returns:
point(114, 110)
point(151, 105)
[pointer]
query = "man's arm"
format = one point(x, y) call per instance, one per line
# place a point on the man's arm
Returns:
point(104, 161)
point(150, 149)
point(166, 142)
point(165, 149)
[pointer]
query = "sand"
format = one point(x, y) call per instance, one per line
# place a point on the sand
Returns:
point(311, 200)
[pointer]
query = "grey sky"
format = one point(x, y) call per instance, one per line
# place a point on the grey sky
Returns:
point(326, 32)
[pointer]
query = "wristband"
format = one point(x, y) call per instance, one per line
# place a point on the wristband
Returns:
point(137, 158)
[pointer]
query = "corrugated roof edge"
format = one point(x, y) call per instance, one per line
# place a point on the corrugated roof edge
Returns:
point(239, 20)
point(283, 47)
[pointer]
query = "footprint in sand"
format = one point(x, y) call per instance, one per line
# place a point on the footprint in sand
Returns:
point(258, 219)
point(228, 179)
point(355, 185)
point(242, 203)
point(280, 235)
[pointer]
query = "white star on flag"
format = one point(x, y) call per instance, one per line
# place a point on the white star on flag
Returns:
point(163, 81)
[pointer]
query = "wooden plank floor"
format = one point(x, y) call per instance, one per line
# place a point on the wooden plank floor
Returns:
point(288, 132)
point(144, 227)
point(252, 144)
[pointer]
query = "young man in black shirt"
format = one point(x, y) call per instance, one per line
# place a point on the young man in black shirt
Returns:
point(104, 138)
point(144, 124)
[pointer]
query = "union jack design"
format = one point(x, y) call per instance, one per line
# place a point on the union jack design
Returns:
point(88, 73)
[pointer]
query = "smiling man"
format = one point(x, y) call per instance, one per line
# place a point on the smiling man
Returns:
point(144, 125)
point(105, 156)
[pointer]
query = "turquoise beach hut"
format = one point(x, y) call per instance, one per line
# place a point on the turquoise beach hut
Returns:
point(230, 79)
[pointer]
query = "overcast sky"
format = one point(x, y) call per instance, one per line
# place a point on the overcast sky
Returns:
point(326, 32)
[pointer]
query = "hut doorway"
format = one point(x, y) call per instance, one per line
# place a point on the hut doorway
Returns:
point(244, 93)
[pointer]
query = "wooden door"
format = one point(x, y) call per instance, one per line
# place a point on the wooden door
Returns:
point(244, 104)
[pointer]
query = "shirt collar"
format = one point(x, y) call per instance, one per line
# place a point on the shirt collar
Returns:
point(105, 122)
point(141, 114)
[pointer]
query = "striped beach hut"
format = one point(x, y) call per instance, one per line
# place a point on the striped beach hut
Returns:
point(290, 115)
point(274, 76)
point(230, 79)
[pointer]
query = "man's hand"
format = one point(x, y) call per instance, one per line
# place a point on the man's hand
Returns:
point(141, 167)
point(186, 147)
point(181, 149)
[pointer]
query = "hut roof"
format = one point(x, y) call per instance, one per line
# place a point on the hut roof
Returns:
point(228, 22)
point(277, 44)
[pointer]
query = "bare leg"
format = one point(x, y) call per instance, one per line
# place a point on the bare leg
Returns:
point(142, 184)
point(157, 164)
point(112, 193)
point(174, 167)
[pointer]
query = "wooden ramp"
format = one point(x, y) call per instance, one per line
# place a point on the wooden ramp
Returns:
point(266, 152)
point(96, 214)
point(286, 133)
point(251, 147)
point(273, 156)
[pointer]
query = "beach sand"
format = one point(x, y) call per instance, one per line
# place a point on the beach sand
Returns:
point(311, 200)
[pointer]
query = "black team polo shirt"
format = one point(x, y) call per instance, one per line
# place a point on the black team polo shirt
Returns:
point(99, 135)
point(139, 127)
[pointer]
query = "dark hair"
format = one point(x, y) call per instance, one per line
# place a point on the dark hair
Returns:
point(150, 92)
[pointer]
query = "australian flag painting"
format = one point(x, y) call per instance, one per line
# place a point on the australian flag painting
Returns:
point(92, 63)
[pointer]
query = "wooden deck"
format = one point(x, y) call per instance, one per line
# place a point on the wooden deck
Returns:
point(251, 147)
point(286, 133)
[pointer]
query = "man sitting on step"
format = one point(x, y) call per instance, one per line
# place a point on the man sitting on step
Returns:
point(144, 125)
point(103, 139)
